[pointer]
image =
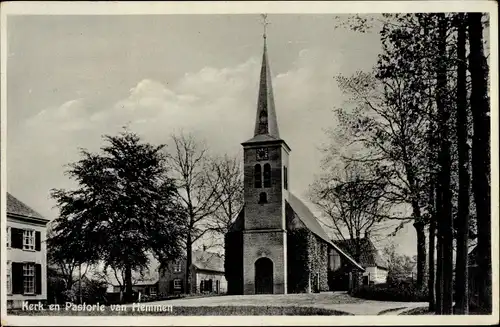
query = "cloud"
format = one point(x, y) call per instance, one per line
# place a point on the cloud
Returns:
point(216, 104)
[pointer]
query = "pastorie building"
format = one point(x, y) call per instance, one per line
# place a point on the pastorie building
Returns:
point(26, 254)
point(276, 245)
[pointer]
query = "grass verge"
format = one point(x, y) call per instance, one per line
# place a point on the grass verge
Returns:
point(416, 312)
point(194, 311)
point(383, 312)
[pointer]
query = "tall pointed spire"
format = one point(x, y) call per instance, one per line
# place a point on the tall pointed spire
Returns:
point(266, 122)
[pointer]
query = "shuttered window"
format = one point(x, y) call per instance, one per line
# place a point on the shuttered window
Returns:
point(16, 238)
point(28, 239)
point(17, 278)
point(9, 278)
point(8, 237)
point(29, 278)
point(25, 239)
point(38, 278)
point(38, 241)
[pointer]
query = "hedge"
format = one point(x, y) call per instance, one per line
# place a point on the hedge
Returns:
point(404, 292)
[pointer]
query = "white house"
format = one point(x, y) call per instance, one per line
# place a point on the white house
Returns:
point(26, 254)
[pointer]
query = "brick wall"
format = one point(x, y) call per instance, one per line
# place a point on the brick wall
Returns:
point(270, 244)
point(168, 275)
point(269, 215)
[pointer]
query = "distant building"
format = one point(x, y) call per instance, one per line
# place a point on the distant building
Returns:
point(206, 275)
point(145, 283)
point(276, 245)
point(26, 254)
point(375, 267)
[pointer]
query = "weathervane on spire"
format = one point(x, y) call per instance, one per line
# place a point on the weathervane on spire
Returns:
point(264, 23)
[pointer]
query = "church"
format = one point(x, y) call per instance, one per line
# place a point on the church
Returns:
point(276, 245)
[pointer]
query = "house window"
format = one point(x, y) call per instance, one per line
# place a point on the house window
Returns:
point(267, 175)
point(262, 197)
point(285, 177)
point(152, 291)
point(8, 237)
point(29, 278)
point(28, 239)
point(257, 176)
point(177, 284)
point(9, 278)
point(178, 267)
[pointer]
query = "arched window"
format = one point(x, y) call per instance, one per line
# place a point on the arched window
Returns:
point(267, 175)
point(257, 175)
point(285, 177)
point(263, 197)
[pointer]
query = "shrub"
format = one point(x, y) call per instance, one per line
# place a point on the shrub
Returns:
point(403, 291)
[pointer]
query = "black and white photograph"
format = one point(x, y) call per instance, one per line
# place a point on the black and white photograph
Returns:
point(242, 163)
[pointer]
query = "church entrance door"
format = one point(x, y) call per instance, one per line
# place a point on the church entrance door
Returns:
point(264, 276)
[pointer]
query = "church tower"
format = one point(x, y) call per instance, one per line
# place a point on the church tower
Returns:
point(265, 191)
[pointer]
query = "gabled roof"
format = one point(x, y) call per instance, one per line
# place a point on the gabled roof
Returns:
point(311, 223)
point(150, 276)
point(369, 255)
point(18, 208)
point(211, 261)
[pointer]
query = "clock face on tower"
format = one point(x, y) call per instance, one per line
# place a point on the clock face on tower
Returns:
point(262, 154)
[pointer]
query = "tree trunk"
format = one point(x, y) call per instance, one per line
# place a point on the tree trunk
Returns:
point(421, 252)
point(439, 255)
point(479, 103)
point(128, 284)
point(189, 259)
point(80, 283)
point(445, 169)
point(462, 279)
point(432, 246)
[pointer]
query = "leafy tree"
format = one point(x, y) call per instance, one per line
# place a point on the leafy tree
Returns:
point(400, 267)
point(68, 248)
point(123, 208)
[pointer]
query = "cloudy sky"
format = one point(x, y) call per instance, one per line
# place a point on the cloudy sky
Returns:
point(72, 79)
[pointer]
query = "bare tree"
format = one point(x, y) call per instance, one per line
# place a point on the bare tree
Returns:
point(352, 201)
point(190, 164)
point(226, 177)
